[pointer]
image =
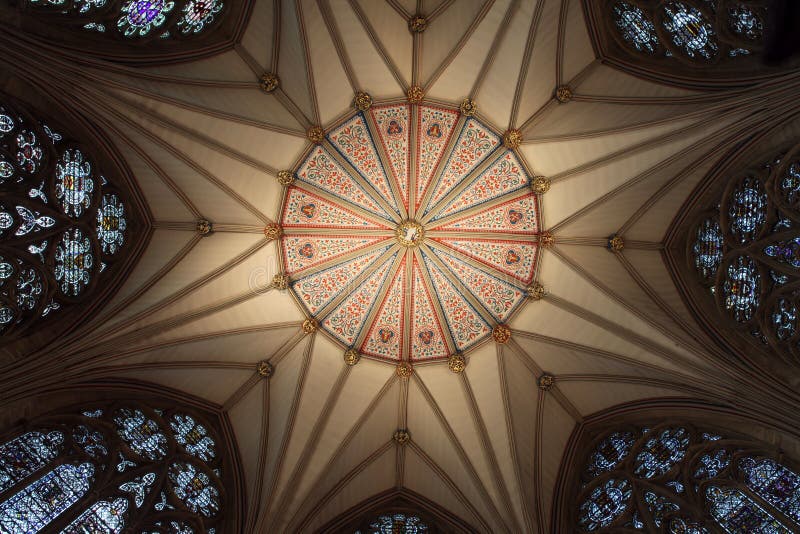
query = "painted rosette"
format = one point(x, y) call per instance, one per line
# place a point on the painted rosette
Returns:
point(410, 232)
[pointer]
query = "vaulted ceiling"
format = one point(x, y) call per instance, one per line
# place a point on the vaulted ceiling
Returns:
point(198, 312)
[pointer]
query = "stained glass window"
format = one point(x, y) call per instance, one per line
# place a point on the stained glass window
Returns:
point(746, 251)
point(62, 222)
point(136, 19)
point(109, 470)
point(396, 523)
point(687, 30)
point(682, 480)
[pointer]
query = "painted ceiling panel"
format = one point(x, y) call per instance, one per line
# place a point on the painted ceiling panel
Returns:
point(557, 426)
point(372, 72)
point(463, 71)
point(326, 65)
point(437, 443)
point(578, 50)
point(496, 94)
point(259, 36)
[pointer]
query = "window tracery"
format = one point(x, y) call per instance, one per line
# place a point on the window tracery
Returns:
point(678, 479)
point(684, 42)
point(112, 468)
point(134, 19)
point(746, 251)
point(63, 224)
point(700, 31)
point(395, 523)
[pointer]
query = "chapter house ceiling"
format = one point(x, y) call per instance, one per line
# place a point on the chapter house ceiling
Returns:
point(293, 270)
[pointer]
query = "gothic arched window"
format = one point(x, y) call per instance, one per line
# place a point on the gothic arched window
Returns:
point(112, 468)
point(678, 479)
point(133, 19)
point(131, 31)
point(395, 523)
point(746, 251)
point(65, 225)
point(683, 41)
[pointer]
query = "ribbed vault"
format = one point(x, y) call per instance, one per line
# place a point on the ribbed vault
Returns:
point(205, 141)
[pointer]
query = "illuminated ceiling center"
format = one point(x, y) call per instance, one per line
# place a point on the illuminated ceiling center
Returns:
point(410, 232)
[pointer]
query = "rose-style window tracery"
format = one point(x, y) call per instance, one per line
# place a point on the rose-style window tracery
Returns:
point(63, 224)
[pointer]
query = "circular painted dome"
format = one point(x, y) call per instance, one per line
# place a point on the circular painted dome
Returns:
point(410, 232)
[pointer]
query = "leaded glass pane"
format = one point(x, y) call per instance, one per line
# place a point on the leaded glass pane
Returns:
point(26, 454)
point(102, 517)
point(111, 224)
point(397, 523)
point(141, 17)
point(194, 488)
point(789, 185)
point(681, 525)
point(745, 22)
point(707, 248)
point(141, 434)
point(193, 436)
point(74, 262)
point(783, 319)
point(774, 483)
point(34, 507)
point(91, 441)
point(139, 488)
point(659, 506)
point(747, 209)
point(635, 27)
point(660, 453)
point(786, 251)
point(74, 183)
point(711, 464)
point(742, 288)
point(610, 452)
point(198, 14)
point(739, 514)
point(604, 504)
point(690, 30)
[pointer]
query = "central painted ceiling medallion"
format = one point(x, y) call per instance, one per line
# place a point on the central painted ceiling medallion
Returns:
point(410, 232)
